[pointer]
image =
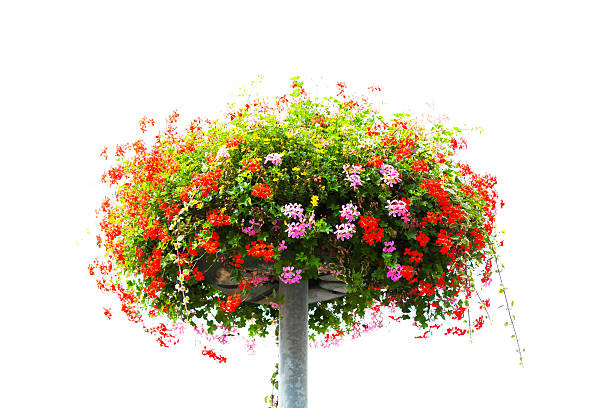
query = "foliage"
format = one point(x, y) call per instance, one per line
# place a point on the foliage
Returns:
point(309, 186)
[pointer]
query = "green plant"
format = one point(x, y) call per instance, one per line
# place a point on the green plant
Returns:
point(382, 204)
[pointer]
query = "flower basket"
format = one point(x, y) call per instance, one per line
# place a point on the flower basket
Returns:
point(325, 287)
point(214, 227)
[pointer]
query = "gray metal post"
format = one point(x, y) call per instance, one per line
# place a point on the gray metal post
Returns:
point(293, 346)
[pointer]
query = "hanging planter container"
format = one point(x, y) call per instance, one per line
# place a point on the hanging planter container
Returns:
point(325, 287)
point(204, 226)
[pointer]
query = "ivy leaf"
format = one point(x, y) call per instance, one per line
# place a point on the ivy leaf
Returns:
point(314, 261)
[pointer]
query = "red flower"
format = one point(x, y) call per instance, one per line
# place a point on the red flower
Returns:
point(231, 304)
point(238, 261)
point(213, 355)
point(375, 161)
point(261, 190)
point(459, 312)
point(433, 217)
point(454, 214)
point(407, 271)
point(372, 231)
point(217, 220)
point(259, 249)
point(415, 256)
point(234, 141)
point(444, 240)
point(212, 244)
point(251, 165)
point(205, 182)
point(419, 166)
point(153, 265)
point(422, 238)
point(435, 190)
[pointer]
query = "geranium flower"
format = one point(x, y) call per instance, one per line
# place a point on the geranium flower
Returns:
point(398, 208)
point(282, 246)
point(353, 174)
point(390, 175)
point(274, 158)
point(389, 246)
point(349, 212)
point(261, 190)
point(296, 230)
point(251, 229)
point(394, 273)
point(344, 231)
point(422, 238)
point(290, 275)
point(293, 210)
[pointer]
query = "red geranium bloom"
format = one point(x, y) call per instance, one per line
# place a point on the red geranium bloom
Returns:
point(217, 220)
point(422, 238)
point(261, 190)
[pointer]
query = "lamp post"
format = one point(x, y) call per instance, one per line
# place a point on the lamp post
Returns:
point(293, 324)
point(293, 346)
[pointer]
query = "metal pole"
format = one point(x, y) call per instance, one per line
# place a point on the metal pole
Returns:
point(293, 346)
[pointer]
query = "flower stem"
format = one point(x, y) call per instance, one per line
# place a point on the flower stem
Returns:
point(503, 289)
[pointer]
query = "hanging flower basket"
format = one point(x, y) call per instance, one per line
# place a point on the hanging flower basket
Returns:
point(325, 287)
point(372, 211)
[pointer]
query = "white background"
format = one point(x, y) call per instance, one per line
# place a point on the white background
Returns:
point(535, 75)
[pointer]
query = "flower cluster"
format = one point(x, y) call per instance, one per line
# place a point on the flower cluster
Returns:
point(389, 247)
point(290, 275)
point(372, 232)
point(216, 219)
point(289, 189)
point(274, 158)
point(390, 175)
point(293, 211)
point(298, 229)
point(250, 230)
point(345, 230)
point(353, 174)
point(394, 273)
point(399, 208)
point(261, 190)
point(260, 250)
point(349, 212)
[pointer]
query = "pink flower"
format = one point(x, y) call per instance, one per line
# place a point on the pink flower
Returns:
point(389, 246)
point(290, 275)
point(345, 231)
point(296, 230)
point(349, 212)
point(353, 174)
point(274, 158)
point(394, 273)
point(390, 175)
point(293, 210)
point(251, 230)
point(282, 246)
point(398, 208)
